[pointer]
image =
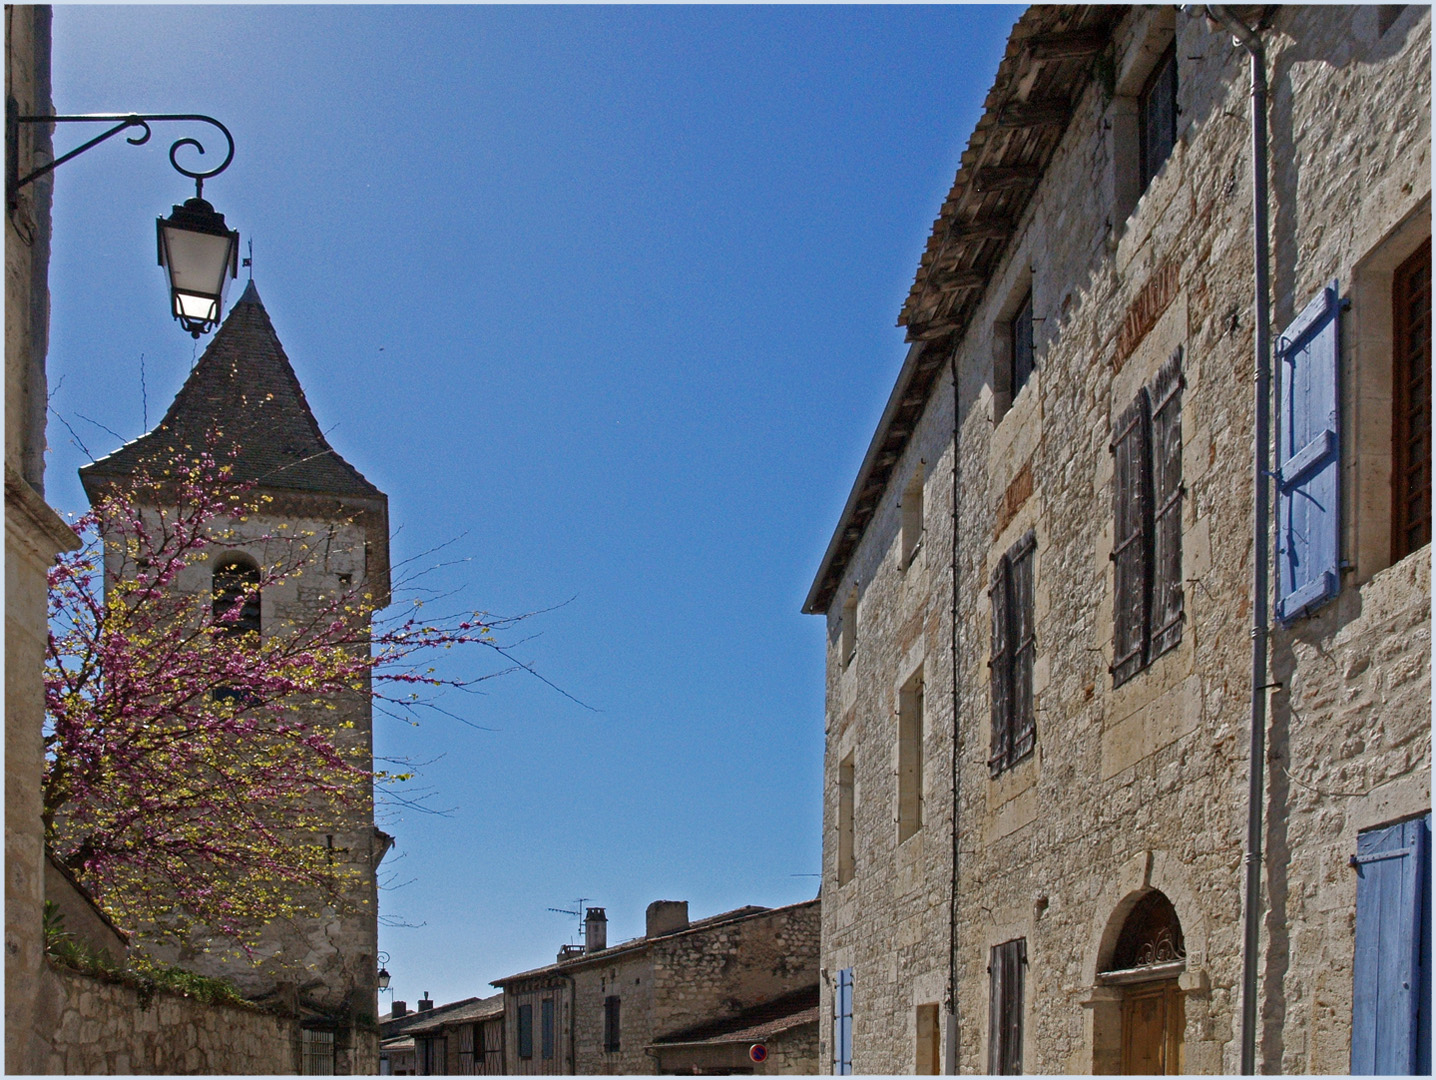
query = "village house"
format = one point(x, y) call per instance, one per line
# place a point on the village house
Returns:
point(243, 386)
point(1071, 720)
point(463, 1038)
point(708, 996)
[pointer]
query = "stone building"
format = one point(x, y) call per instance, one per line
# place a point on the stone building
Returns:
point(620, 1009)
point(1040, 596)
point(244, 388)
point(465, 1038)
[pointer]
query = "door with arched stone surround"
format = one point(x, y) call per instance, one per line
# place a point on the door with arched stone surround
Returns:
point(1148, 956)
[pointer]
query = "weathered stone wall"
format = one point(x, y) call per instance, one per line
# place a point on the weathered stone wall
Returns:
point(719, 971)
point(1143, 785)
point(91, 1026)
point(631, 979)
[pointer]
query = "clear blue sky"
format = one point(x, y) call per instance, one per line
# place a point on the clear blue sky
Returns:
point(609, 295)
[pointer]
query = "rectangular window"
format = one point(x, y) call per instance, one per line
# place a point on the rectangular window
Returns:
point(1157, 117)
point(910, 735)
point(1148, 600)
point(1014, 646)
point(1021, 330)
point(847, 778)
point(1006, 969)
point(468, 1059)
point(1411, 405)
point(611, 1024)
point(849, 642)
point(912, 519)
point(843, 1023)
point(929, 1043)
point(1391, 976)
point(526, 1031)
point(546, 1029)
point(316, 1053)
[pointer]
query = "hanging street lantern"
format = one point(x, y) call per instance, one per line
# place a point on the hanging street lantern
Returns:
point(201, 257)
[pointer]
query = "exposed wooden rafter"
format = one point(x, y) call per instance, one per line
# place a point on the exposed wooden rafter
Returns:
point(1002, 177)
point(1070, 45)
point(1030, 114)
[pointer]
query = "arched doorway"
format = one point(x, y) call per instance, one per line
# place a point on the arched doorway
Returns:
point(1146, 961)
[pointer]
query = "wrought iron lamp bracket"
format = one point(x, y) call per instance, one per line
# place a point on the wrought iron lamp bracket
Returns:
point(120, 122)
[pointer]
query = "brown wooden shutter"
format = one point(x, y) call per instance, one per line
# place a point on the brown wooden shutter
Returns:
point(1023, 646)
point(1000, 670)
point(1131, 540)
point(1006, 974)
point(996, 1021)
point(1165, 394)
point(1411, 405)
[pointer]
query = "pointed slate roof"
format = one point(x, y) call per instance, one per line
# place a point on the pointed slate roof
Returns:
point(244, 387)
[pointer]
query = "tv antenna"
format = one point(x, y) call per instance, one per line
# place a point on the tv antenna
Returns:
point(579, 914)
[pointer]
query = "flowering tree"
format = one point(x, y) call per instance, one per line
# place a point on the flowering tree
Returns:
point(192, 763)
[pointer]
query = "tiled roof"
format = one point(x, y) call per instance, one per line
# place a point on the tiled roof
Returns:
point(636, 944)
point(753, 1024)
point(244, 387)
point(1050, 58)
point(480, 1009)
point(390, 1025)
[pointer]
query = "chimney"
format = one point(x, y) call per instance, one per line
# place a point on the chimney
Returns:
point(424, 1003)
point(400, 1008)
point(595, 930)
point(666, 916)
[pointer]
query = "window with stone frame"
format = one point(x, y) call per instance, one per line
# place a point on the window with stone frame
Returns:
point(1148, 601)
point(1411, 404)
point(1006, 974)
point(1022, 346)
point(1014, 646)
point(910, 739)
point(1157, 118)
point(847, 793)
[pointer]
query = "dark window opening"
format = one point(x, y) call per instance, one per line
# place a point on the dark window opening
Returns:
point(526, 1031)
point(1151, 934)
point(1014, 647)
point(546, 1029)
point(1006, 971)
point(1157, 117)
point(236, 597)
point(1411, 405)
point(610, 1025)
point(1021, 329)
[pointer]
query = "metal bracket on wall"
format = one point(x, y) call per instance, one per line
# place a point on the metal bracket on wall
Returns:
point(119, 122)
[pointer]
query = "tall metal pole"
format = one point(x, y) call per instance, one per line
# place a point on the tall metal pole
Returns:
point(1261, 528)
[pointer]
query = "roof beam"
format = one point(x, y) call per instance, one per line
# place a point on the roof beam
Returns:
point(1074, 44)
point(966, 279)
point(1033, 114)
point(985, 229)
point(1001, 178)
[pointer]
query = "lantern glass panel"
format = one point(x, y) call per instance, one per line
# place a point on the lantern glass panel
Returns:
point(197, 262)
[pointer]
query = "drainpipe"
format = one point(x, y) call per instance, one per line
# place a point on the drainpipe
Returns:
point(951, 1057)
point(1261, 528)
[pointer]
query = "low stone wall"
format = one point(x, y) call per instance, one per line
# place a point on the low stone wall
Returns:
point(93, 1026)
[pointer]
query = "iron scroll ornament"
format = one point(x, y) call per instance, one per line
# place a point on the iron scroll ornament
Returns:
point(121, 122)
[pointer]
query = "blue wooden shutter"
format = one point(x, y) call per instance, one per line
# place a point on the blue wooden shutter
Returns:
point(1308, 458)
point(843, 1024)
point(1391, 991)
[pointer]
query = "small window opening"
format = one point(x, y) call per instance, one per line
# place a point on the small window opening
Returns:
point(1157, 117)
point(912, 519)
point(236, 596)
point(1021, 330)
point(910, 735)
point(846, 792)
point(849, 642)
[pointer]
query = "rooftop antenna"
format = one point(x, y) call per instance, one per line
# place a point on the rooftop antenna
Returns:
point(579, 914)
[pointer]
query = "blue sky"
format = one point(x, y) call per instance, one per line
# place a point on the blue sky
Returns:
point(604, 295)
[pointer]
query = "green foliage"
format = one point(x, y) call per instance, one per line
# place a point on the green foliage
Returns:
point(141, 973)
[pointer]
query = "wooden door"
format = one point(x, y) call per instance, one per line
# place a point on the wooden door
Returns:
point(1152, 1022)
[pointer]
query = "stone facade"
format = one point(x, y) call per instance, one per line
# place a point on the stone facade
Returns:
point(324, 967)
point(675, 977)
point(92, 1026)
point(1136, 788)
